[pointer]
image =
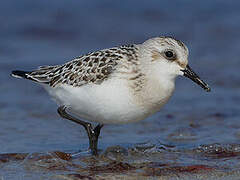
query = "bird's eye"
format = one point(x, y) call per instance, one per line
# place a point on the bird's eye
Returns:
point(170, 55)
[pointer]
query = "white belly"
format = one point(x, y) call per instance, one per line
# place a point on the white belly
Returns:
point(107, 103)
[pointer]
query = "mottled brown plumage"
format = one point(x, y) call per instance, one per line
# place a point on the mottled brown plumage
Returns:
point(90, 68)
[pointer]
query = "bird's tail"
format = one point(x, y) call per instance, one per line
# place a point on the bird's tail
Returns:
point(20, 74)
point(41, 75)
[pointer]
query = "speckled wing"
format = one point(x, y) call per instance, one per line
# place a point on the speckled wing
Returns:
point(91, 68)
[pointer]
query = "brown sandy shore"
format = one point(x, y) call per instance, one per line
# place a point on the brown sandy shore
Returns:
point(143, 161)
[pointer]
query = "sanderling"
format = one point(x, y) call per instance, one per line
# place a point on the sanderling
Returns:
point(117, 85)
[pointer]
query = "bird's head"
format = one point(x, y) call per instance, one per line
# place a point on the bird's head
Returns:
point(169, 58)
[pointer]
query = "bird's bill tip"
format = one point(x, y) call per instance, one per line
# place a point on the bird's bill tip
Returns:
point(189, 73)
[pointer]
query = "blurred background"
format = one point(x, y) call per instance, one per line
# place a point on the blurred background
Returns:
point(34, 33)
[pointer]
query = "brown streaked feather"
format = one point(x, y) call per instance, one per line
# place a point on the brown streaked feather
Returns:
point(91, 68)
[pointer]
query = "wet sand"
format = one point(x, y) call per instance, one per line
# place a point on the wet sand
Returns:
point(142, 161)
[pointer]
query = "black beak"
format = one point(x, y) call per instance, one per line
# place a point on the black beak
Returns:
point(188, 72)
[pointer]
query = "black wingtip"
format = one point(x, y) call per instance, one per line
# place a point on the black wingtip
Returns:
point(19, 74)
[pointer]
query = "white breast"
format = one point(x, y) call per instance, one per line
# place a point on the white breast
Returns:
point(114, 101)
point(107, 103)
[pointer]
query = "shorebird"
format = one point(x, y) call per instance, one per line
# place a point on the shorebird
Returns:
point(117, 85)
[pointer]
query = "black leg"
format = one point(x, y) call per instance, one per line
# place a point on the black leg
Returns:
point(93, 134)
point(94, 141)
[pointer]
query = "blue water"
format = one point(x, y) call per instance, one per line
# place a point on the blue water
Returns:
point(34, 33)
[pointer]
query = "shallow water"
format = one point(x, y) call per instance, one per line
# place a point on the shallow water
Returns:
point(47, 33)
